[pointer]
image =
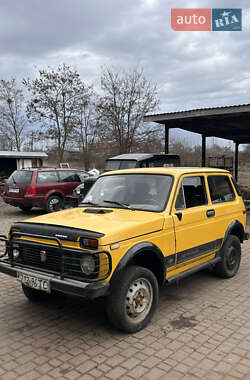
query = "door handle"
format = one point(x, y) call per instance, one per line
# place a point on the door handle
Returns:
point(210, 213)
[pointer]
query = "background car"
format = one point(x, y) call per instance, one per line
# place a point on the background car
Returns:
point(41, 187)
point(125, 161)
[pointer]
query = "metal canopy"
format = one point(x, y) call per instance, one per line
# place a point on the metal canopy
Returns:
point(232, 123)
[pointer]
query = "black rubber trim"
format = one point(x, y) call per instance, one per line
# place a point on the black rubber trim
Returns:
point(136, 250)
point(170, 260)
point(200, 250)
point(193, 270)
point(64, 233)
point(235, 224)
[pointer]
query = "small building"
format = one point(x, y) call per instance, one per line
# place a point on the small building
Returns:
point(10, 161)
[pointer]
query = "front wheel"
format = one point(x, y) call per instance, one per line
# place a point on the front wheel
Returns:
point(230, 258)
point(133, 299)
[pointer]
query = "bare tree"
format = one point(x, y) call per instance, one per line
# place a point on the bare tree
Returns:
point(12, 117)
point(87, 125)
point(56, 96)
point(127, 97)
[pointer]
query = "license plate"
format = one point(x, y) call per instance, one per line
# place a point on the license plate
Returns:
point(13, 190)
point(34, 282)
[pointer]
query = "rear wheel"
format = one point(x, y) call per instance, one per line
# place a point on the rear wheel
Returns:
point(133, 299)
point(25, 208)
point(35, 295)
point(230, 258)
point(54, 203)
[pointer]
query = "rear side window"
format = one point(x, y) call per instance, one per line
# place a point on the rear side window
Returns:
point(192, 193)
point(47, 177)
point(220, 189)
point(20, 177)
point(69, 176)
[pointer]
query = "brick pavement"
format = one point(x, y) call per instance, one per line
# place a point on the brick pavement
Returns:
point(201, 330)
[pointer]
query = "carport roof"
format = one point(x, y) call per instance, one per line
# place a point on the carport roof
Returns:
point(230, 122)
point(7, 154)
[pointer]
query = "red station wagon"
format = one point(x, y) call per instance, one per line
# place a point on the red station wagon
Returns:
point(42, 187)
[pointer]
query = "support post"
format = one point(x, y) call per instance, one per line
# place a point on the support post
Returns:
point(203, 150)
point(236, 160)
point(166, 139)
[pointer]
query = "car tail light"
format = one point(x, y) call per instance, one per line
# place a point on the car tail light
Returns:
point(31, 190)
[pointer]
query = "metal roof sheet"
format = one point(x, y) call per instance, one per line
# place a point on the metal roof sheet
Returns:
point(228, 122)
point(10, 154)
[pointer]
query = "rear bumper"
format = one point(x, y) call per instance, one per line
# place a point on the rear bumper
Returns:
point(67, 286)
point(24, 201)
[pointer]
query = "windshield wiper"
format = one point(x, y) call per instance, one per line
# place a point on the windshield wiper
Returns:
point(123, 205)
point(88, 203)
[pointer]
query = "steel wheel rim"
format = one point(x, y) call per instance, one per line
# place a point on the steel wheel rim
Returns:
point(53, 204)
point(139, 299)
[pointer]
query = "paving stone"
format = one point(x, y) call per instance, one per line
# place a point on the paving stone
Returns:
point(71, 339)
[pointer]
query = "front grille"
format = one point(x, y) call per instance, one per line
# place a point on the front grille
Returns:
point(33, 256)
point(61, 261)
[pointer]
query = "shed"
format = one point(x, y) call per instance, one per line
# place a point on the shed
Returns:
point(10, 161)
point(230, 122)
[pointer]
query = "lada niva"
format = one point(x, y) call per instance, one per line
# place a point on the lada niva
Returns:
point(136, 230)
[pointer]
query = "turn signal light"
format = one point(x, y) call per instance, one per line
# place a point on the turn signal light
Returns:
point(88, 243)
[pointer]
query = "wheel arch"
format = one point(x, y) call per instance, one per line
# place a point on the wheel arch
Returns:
point(52, 193)
point(235, 228)
point(146, 255)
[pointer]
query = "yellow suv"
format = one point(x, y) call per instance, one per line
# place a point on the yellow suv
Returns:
point(135, 230)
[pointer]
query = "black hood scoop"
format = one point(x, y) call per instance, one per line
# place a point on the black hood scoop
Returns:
point(97, 211)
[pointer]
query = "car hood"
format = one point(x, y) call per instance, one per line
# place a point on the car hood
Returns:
point(116, 224)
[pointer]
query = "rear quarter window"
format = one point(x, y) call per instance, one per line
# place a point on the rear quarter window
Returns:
point(20, 177)
point(220, 189)
point(69, 176)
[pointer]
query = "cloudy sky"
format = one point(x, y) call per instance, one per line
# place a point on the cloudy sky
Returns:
point(192, 69)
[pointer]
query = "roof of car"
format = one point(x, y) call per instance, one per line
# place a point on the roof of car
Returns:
point(45, 169)
point(168, 170)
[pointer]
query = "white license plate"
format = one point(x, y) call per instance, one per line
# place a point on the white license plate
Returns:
point(34, 282)
point(13, 190)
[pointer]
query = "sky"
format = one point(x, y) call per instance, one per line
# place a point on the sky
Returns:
point(192, 69)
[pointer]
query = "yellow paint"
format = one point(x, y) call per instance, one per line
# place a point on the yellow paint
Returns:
point(123, 228)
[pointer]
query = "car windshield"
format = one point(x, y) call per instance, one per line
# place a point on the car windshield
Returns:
point(148, 192)
point(20, 177)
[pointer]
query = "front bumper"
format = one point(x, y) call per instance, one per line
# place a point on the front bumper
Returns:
point(67, 286)
point(61, 267)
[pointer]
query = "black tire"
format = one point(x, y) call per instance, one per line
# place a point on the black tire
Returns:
point(54, 203)
point(25, 208)
point(135, 284)
point(35, 295)
point(230, 258)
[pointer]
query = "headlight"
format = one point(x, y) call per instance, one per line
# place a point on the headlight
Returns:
point(78, 191)
point(87, 264)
